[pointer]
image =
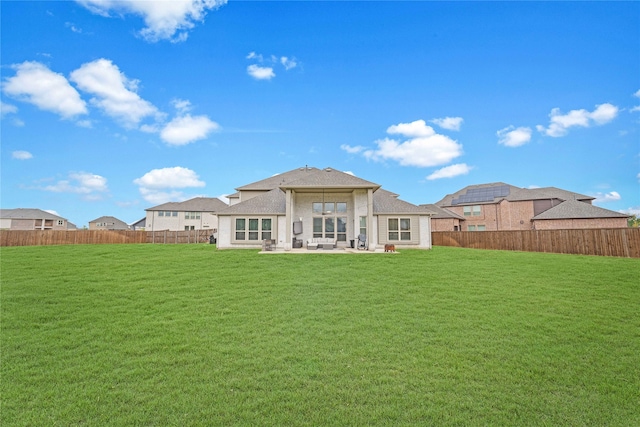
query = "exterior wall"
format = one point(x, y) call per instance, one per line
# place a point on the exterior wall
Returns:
point(5, 223)
point(445, 224)
point(489, 216)
point(111, 226)
point(425, 232)
point(302, 207)
point(516, 215)
point(37, 224)
point(249, 194)
point(383, 231)
point(224, 233)
point(557, 224)
point(207, 221)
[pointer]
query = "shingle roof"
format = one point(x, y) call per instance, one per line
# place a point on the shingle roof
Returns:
point(111, 220)
point(441, 213)
point(27, 213)
point(269, 203)
point(573, 209)
point(449, 198)
point(197, 204)
point(277, 180)
point(328, 178)
point(385, 202)
point(546, 193)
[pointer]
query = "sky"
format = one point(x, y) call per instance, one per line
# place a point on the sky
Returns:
point(113, 107)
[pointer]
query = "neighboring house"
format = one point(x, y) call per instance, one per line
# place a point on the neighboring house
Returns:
point(443, 219)
point(195, 214)
point(500, 206)
point(32, 219)
point(108, 223)
point(139, 224)
point(305, 203)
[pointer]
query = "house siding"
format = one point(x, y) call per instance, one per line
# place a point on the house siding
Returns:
point(207, 221)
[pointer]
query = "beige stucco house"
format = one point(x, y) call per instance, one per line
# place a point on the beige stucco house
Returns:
point(309, 203)
point(32, 219)
point(108, 223)
point(500, 206)
point(199, 213)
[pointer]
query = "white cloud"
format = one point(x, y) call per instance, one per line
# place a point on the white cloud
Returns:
point(21, 155)
point(7, 109)
point(414, 129)
point(164, 20)
point(424, 148)
point(612, 196)
point(115, 93)
point(514, 137)
point(154, 185)
point(631, 211)
point(186, 129)
point(260, 73)
point(450, 171)
point(637, 94)
point(560, 123)
point(38, 85)
point(288, 63)
point(87, 184)
point(352, 150)
point(451, 123)
point(182, 105)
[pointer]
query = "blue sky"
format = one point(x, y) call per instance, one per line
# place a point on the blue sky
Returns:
point(112, 107)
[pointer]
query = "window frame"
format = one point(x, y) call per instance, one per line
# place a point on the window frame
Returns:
point(399, 229)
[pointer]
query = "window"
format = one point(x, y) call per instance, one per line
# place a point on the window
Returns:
point(317, 207)
point(341, 207)
point(476, 228)
point(332, 227)
point(60, 222)
point(342, 229)
point(363, 225)
point(160, 213)
point(472, 210)
point(399, 229)
point(174, 213)
point(253, 229)
point(189, 227)
point(191, 215)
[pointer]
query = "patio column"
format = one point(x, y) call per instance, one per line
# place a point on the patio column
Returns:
point(288, 214)
point(372, 237)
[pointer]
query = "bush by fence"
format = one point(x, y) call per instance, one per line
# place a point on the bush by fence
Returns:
point(621, 242)
point(73, 237)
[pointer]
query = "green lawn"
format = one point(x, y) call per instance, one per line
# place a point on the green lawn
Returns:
point(186, 335)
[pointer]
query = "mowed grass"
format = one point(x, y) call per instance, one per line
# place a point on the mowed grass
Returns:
point(187, 335)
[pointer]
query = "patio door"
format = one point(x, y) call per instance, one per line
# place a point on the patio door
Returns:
point(330, 227)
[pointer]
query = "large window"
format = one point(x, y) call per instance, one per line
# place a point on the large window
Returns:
point(253, 229)
point(192, 215)
point(472, 210)
point(399, 229)
point(331, 224)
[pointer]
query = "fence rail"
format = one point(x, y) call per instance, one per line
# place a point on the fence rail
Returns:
point(73, 237)
point(619, 242)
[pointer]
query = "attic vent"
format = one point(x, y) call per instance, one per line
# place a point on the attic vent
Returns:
point(328, 170)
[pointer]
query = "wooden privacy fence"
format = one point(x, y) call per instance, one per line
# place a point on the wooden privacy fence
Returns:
point(620, 242)
point(73, 237)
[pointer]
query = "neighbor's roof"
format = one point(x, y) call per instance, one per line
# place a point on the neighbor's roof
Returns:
point(546, 193)
point(497, 191)
point(111, 219)
point(197, 204)
point(27, 213)
point(573, 209)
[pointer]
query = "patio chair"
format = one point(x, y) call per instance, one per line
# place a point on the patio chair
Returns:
point(362, 241)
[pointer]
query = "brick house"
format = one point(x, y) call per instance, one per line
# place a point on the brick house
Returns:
point(500, 206)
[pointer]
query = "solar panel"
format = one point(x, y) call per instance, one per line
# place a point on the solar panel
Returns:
point(485, 194)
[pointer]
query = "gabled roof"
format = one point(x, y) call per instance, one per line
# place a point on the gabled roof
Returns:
point(197, 204)
point(441, 213)
point(277, 180)
point(478, 194)
point(110, 219)
point(328, 178)
point(497, 191)
point(573, 209)
point(546, 193)
point(28, 213)
point(386, 202)
point(269, 203)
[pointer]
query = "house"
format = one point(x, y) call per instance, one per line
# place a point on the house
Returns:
point(108, 223)
point(500, 206)
point(32, 219)
point(306, 203)
point(139, 224)
point(199, 213)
